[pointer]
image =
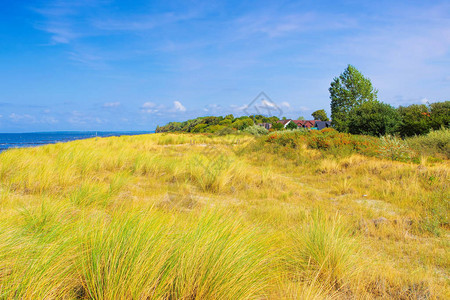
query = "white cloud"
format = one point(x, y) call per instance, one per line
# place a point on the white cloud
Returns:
point(141, 22)
point(88, 56)
point(275, 25)
point(213, 108)
point(178, 106)
point(60, 33)
point(285, 104)
point(237, 108)
point(49, 120)
point(27, 119)
point(24, 118)
point(266, 103)
point(79, 118)
point(148, 105)
point(151, 108)
point(424, 101)
point(304, 108)
point(111, 104)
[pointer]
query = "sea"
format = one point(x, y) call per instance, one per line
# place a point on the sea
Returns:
point(34, 139)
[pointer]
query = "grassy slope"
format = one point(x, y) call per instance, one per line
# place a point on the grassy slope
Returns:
point(191, 217)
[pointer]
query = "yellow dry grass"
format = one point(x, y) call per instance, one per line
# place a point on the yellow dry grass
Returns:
point(167, 216)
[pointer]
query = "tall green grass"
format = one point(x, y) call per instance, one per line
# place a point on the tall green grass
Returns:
point(148, 255)
point(322, 246)
point(436, 143)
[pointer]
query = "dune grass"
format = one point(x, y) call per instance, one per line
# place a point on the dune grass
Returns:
point(183, 216)
point(436, 143)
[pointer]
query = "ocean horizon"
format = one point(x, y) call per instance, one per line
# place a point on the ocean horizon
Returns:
point(35, 139)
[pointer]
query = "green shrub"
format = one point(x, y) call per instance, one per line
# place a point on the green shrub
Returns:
point(394, 148)
point(215, 128)
point(436, 211)
point(277, 126)
point(225, 131)
point(256, 130)
point(373, 118)
point(436, 143)
point(327, 140)
point(416, 119)
point(291, 126)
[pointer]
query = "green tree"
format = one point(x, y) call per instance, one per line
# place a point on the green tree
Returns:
point(291, 125)
point(440, 114)
point(242, 123)
point(374, 118)
point(301, 118)
point(347, 91)
point(277, 126)
point(273, 119)
point(226, 122)
point(320, 115)
point(416, 120)
point(199, 128)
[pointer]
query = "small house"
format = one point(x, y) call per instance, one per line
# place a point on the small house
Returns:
point(265, 125)
point(323, 124)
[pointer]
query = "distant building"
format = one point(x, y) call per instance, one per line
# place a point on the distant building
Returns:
point(266, 125)
point(284, 122)
point(310, 124)
point(323, 124)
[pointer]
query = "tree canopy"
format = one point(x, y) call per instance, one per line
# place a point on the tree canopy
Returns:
point(277, 126)
point(416, 119)
point(373, 118)
point(347, 91)
point(320, 115)
point(440, 114)
point(212, 124)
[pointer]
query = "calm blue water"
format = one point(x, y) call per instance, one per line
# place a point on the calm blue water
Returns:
point(20, 140)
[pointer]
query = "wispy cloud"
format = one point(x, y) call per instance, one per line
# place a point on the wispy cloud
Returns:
point(66, 21)
point(111, 104)
point(275, 24)
point(26, 118)
point(30, 119)
point(142, 22)
point(214, 108)
point(88, 57)
point(49, 120)
point(81, 118)
point(285, 104)
point(153, 108)
point(150, 107)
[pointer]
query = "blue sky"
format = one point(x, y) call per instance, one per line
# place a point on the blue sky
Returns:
point(131, 65)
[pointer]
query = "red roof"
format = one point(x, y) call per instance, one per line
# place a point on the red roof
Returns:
point(309, 123)
point(284, 122)
point(300, 123)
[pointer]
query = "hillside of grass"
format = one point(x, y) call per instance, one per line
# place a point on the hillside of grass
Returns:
point(291, 215)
